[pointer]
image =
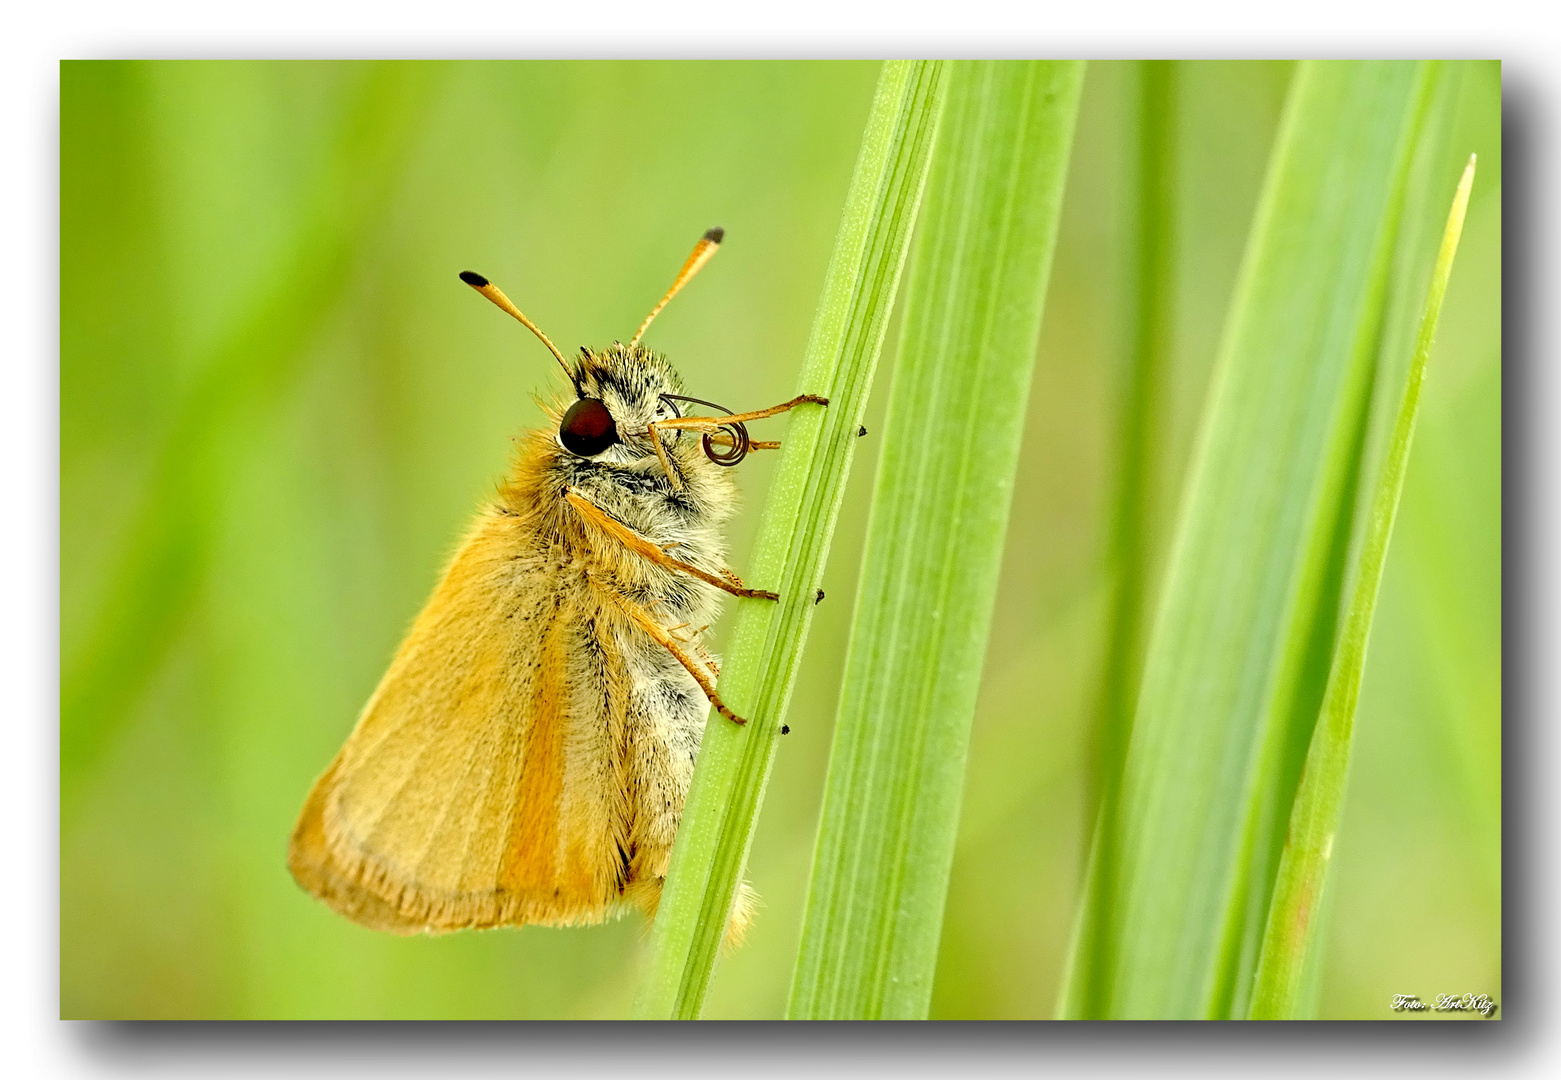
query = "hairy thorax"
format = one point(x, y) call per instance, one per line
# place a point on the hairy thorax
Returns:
point(685, 520)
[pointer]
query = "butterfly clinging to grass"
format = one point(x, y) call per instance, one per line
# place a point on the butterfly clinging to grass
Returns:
point(526, 757)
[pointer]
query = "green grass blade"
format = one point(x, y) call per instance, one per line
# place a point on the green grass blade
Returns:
point(1417, 233)
point(793, 540)
point(1139, 445)
point(1153, 274)
point(1303, 868)
point(1247, 592)
point(935, 543)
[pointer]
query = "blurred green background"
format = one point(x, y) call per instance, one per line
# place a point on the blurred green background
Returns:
point(279, 408)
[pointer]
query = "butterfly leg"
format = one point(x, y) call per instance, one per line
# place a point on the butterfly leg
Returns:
point(712, 424)
point(636, 543)
point(647, 623)
point(699, 423)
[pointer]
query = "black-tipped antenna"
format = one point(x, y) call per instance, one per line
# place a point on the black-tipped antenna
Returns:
point(502, 302)
point(707, 246)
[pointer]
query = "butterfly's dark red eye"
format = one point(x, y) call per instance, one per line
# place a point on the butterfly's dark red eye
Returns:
point(587, 429)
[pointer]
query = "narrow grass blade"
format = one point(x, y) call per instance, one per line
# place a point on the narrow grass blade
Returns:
point(1252, 582)
point(799, 520)
point(1303, 868)
point(1417, 231)
point(1153, 259)
point(935, 543)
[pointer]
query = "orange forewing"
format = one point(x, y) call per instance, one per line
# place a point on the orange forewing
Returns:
point(460, 799)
